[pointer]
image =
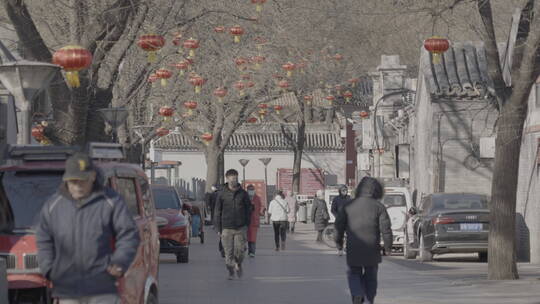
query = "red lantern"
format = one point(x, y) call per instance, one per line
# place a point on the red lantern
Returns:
point(240, 63)
point(220, 93)
point(330, 98)
point(162, 132)
point(219, 29)
point(250, 84)
point(354, 81)
point(289, 67)
point(258, 60)
point(436, 46)
point(151, 44)
point(38, 133)
point(338, 57)
point(190, 105)
point(72, 59)
point(163, 74)
point(191, 44)
point(240, 86)
point(177, 41)
point(182, 66)
point(364, 114)
point(263, 106)
point(236, 31)
point(259, 5)
point(348, 95)
point(308, 99)
point(284, 85)
point(278, 108)
point(152, 78)
point(207, 138)
point(197, 81)
point(166, 112)
point(252, 120)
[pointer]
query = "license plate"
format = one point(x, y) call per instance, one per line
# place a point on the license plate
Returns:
point(471, 227)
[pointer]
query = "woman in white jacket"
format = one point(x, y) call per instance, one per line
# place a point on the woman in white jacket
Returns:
point(279, 214)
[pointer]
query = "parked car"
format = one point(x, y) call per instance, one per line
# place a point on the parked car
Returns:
point(397, 201)
point(448, 223)
point(34, 175)
point(175, 232)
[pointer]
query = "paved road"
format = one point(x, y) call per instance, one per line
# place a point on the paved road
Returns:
point(310, 273)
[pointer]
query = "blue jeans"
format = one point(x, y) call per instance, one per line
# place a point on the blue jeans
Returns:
point(363, 282)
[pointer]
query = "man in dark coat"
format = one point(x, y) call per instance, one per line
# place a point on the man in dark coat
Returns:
point(339, 201)
point(364, 220)
point(319, 214)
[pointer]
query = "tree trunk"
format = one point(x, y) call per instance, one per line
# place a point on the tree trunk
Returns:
point(212, 168)
point(297, 165)
point(502, 253)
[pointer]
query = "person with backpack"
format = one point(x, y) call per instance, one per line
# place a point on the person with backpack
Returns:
point(279, 215)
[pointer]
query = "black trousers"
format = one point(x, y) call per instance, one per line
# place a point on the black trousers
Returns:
point(280, 232)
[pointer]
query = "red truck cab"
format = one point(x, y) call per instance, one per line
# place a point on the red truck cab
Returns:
point(33, 175)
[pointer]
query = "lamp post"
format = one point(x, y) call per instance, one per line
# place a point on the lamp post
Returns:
point(244, 163)
point(115, 117)
point(265, 162)
point(25, 80)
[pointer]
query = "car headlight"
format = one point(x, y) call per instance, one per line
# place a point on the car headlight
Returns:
point(179, 223)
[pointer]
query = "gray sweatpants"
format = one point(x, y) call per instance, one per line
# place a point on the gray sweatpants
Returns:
point(234, 243)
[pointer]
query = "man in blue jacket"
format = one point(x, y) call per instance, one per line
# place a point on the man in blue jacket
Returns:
point(75, 236)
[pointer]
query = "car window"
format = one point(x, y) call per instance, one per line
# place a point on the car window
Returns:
point(425, 205)
point(394, 200)
point(26, 193)
point(454, 203)
point(126, 188)
point(166, 199)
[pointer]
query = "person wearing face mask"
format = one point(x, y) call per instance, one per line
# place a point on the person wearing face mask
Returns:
point(258, 211)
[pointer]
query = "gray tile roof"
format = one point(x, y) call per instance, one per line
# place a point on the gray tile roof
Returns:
point(462, 72)
point(319, 137)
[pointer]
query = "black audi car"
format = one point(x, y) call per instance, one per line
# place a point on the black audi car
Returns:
point(448, 223)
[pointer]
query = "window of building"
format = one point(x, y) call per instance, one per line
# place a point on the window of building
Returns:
point(127, 189)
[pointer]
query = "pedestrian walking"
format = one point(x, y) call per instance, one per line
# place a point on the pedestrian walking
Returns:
point(74, 234)
point(339, 201)
point(319, 214)
point(293, 207)
point(279, 214)
point(364, 219)
point(258, 211)
point(233, 215)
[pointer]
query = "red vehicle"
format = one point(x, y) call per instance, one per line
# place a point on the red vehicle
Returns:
point(34, 174)
point(173, 222)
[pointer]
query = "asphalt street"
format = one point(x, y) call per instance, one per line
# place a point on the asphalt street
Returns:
point(311, 273)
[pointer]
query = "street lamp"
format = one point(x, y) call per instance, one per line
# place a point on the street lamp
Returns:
point(244, 163)
point(25, 80)
point(115, 117)
point(265, 162)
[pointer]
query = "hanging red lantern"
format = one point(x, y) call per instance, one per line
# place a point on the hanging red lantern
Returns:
point(152, 78)
point(163, 74)
point(220, 93)
point(240, 86)
point(284, 85)
point(330, 99)
point(250, 84)
point(338, 57)
point(364, 114)
point(436, 46)
point(348, 95)
point(162, 132)
point(236, 31)
point(177, 41)
point(278, 109)
point(219, 29)
point(190, 105)
point(191, 44)
point(182, 66)
point(207, 138)
point(259, 5)
point(197, 81)
point(151, 44)
point(258, 60)
point(354, 81)
point(289, 67)
point(263, 106)
point(252, 119)
point(240, 63)
point(72, 59)
point(308, 99)
point(166, 112)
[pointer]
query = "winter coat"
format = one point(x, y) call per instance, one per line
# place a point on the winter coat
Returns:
point(257, 212)
point(232, 210)
point(74, 240)
point(279, 210)
point(338, 203)
point(319, 214)
point(365, 219)
point(293, 207)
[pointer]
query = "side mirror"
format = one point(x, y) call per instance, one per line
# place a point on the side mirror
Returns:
point(413, 211)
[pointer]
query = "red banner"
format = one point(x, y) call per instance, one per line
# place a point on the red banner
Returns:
point(311, 180)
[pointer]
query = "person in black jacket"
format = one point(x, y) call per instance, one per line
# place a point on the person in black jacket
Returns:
point(232, 218)
point(365, 219)
point(339, 201)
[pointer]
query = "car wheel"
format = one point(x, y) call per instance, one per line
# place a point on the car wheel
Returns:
point(183, 256)
point(152, 299)
point(408, 253)
point(425, 254)
point(483, 257)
